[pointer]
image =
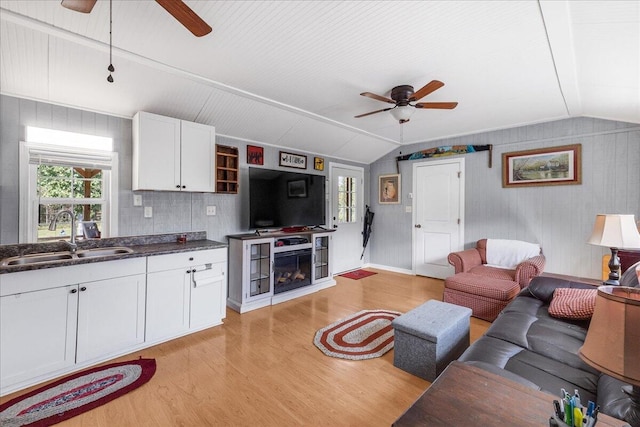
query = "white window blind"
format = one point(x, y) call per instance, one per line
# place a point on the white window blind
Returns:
point(42, 155)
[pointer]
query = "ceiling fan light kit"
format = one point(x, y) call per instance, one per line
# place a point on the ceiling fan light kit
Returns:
point(402, 96)
point(402, 113)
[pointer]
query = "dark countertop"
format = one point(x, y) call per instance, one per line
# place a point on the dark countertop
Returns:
point(142, 246)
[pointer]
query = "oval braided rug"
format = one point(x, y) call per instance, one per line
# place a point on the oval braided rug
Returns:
point(363, 335)
point(75, 394)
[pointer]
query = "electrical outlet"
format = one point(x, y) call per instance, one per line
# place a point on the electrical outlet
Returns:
point(137, 200)
point(148, 211)
point(211, 210)
point(407, 209)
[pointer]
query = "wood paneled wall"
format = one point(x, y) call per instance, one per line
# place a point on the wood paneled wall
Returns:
point(560, 218)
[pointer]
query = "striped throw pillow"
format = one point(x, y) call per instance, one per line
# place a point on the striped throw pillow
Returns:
point(570, 303)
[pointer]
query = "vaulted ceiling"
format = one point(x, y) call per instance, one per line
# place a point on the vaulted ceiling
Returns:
point(289, 73)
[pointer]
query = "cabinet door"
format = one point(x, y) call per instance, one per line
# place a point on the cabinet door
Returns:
point(321, 269)
point(208, 295)
point(258, 269)
point(110, 316)
point(198, 157)
point(167, 304)
point(37, 333)
point(156, 152)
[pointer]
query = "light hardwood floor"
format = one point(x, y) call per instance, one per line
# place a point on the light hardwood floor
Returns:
point(262, 369)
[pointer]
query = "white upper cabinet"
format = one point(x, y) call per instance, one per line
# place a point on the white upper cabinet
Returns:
point(172, 155)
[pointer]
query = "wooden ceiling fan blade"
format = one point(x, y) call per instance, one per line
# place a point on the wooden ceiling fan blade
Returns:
point(84, 6)
point(432, 86)
point(378, 97)
point(373, 112)
point(187, 17)
point(437, 105)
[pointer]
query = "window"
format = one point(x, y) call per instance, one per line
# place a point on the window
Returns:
point(347, 211)
point(56, 177)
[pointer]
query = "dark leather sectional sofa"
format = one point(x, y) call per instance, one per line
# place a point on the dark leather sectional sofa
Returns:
point(528, 345)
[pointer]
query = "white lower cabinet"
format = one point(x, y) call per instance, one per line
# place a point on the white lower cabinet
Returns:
point(185, 292)
point(57, 320)
point(54, 319)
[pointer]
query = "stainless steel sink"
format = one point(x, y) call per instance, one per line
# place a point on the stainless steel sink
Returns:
point(47, 257)
point(62, 256)
point(96, 252)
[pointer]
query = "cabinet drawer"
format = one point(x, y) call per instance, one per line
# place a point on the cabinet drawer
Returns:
point(185, 259)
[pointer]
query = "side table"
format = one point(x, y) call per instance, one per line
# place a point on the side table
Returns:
point(465, 395)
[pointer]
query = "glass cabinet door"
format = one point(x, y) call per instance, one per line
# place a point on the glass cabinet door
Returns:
point(260, 269)
point(321, 261)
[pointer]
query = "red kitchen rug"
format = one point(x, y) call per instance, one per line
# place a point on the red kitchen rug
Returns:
point(358, 274)
point(76, 393)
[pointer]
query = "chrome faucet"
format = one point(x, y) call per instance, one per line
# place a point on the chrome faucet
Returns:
point(72, 243)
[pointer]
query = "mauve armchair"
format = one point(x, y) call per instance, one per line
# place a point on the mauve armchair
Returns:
point(487, 289)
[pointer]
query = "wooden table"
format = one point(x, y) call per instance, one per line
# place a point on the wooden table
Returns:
point(464, 395)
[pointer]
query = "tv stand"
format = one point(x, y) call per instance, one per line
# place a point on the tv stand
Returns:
point(267, 268)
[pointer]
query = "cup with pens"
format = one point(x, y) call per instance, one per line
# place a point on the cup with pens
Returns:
point(570, 412)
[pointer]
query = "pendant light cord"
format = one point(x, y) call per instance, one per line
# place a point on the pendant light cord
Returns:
point(110, 67)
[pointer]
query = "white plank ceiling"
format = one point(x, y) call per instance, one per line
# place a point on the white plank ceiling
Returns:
point(289, 73)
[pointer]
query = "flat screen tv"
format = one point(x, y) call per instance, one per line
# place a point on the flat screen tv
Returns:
point(285, 199)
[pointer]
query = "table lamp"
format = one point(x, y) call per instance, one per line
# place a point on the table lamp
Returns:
point(615, 231)
point(612, 344)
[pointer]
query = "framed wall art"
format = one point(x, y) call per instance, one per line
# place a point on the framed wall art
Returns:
point(297, 188)
point(542, 166)
point(389, 189)
point(255, 155)
point(291, 160)
point(318, 163)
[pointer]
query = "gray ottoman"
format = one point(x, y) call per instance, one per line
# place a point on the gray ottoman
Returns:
point(429, 337)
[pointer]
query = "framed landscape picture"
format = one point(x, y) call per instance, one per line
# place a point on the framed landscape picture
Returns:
point(542, 166)
point(389, 189)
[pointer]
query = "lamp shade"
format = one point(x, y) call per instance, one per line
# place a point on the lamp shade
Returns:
point(615, 231)
point(612, 344)
point(402, 113)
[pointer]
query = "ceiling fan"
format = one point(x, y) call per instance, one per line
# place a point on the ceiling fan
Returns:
point(404, 98)
point(177, 8)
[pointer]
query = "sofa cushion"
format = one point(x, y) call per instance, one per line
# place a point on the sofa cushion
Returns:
point(570, 303)
point(502, 290)
point(489, 272)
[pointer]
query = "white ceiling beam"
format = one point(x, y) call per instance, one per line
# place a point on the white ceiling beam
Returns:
point(557, 20)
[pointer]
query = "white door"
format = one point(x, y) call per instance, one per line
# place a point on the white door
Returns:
point(167, 313)
point(37, 333)
point(198, 157)
point(438, 207)
point(110, 316)
point(347, 213)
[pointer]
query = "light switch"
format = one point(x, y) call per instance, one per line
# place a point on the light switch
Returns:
point(137, 200)
point(211, 210)
point(148, 211)
point(407, 209)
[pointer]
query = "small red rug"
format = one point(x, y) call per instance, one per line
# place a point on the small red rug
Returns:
point(363, 335)
point(358, 274)
point(76, 394)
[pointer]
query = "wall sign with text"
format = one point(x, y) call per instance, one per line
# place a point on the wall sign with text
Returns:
point(291, 160)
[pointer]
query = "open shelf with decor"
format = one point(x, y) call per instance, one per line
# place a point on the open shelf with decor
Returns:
point(226, 169)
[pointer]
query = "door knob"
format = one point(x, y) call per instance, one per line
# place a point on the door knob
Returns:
point(418, 226)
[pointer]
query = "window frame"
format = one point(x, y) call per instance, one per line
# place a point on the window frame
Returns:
point(29, 202)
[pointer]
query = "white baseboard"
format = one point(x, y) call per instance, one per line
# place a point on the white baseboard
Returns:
point(389, 268)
